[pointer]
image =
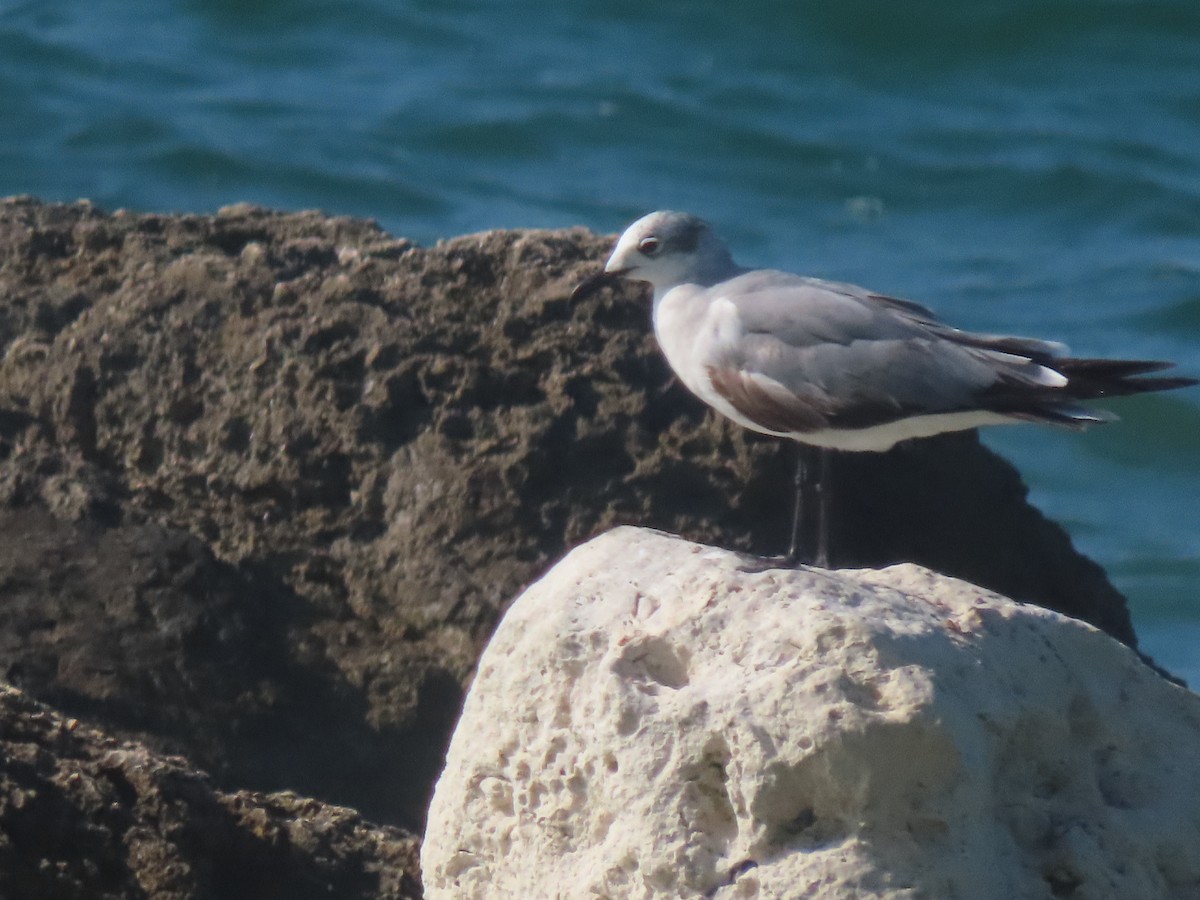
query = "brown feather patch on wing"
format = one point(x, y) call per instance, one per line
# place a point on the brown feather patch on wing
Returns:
point(773, 407)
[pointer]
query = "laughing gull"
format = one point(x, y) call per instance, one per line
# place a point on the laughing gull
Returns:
point(840, 367)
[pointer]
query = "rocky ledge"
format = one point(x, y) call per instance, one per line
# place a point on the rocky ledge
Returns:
point(660, 719)
point(268, 481)
point(85, 816)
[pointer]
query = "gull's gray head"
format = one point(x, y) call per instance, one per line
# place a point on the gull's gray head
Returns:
point(670, 248)
point(666, 249)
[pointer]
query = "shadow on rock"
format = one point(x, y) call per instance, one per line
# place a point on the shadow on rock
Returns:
point(139, 627)
point(85, 816)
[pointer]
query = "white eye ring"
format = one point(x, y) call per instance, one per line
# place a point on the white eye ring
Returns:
point(648, 246)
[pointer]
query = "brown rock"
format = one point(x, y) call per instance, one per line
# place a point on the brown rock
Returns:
point(85, 816)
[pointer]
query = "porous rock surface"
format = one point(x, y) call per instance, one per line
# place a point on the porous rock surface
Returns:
point(86, 817)
point(657, 718)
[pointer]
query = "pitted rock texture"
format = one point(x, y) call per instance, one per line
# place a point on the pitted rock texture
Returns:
point(660, 719)
point(87, 817)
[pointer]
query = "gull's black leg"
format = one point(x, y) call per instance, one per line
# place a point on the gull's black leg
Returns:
point(824, 489)
point(793, 554)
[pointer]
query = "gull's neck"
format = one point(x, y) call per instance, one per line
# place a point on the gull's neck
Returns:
point(703, 270)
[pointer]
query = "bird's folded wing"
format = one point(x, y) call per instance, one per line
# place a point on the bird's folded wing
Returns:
point(769, 404)
point(815, 354)
point(864, 383)
point(801, 310)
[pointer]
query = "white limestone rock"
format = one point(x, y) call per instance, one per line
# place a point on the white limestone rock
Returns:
point(655, 718)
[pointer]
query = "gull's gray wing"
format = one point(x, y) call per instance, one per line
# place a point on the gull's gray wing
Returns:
point(816, 354)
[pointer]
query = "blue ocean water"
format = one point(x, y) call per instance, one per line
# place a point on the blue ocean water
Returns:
point(1018, 166)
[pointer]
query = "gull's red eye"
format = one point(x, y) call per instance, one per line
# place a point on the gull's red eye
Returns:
point(648, 246)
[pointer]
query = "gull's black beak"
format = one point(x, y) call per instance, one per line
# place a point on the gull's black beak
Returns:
point(593, 283)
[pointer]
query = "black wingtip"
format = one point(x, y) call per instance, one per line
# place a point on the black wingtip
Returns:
point(1090, 379)
point(1109, 368)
